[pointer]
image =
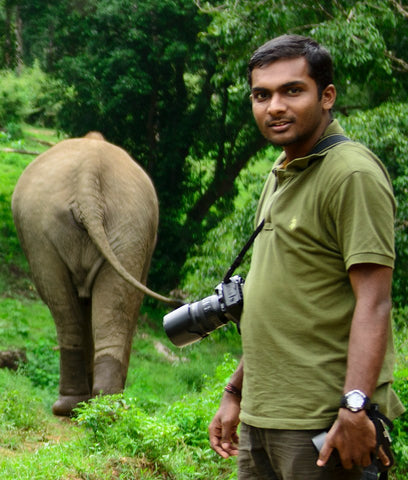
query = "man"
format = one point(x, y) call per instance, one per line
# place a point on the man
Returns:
point(316, 319)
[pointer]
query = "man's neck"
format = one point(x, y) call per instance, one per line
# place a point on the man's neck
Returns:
point(292, 151)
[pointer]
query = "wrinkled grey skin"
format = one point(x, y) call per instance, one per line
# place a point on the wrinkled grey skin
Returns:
point(86, 216)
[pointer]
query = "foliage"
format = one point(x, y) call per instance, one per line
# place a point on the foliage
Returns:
point(400, 431)
point(124, 434)
point(42, 365)
point(364, 38)
point(28, 96)
point(20, 409)
point(25, 324)
point(208, 263)
point(385, 131)
point(192, 414)
point(18, 321)
point(117, 421)
point(166, 81)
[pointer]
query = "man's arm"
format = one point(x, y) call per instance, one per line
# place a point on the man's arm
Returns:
point(353, 434)
point(223, 428)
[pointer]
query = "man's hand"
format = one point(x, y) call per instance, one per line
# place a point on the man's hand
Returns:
point(223, 428)
point(353, 436)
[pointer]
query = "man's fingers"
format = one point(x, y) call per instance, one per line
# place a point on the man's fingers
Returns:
point(230, 449)
point(324, 455)
point(383, 457)
point(221, 452)
point(221, 442)
point(224, 449)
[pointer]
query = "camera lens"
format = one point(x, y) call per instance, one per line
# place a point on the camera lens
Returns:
point(194, 321)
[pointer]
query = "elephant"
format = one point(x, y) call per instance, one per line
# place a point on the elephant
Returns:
point(86, 215)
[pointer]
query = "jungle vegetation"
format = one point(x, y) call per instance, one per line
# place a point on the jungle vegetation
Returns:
point(166, 80)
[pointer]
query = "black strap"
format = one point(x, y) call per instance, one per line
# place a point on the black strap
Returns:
point(237, 262)
point(326, 143)
point(383, 426)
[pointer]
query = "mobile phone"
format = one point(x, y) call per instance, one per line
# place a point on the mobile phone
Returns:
point(318, 440)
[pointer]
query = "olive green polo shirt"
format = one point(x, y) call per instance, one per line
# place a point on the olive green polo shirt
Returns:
point(323, 213)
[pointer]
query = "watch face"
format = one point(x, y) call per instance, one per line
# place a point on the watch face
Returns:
point(355, 400)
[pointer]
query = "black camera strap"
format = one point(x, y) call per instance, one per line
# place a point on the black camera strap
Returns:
point(238, 260)
point(324, 144)
point(328, 142)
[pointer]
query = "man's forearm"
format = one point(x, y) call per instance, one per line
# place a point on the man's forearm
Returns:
point(367, 346)
point(238, 376)
point(369, 328)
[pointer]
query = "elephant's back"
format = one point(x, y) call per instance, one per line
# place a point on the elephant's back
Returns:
point(57, 174)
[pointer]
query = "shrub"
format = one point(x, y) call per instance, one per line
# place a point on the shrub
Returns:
point(400, 431)
point(208, 263)
point(43, 365)
point(19, 408)
point(385, 131)
point(175, 440)
point(28, 96)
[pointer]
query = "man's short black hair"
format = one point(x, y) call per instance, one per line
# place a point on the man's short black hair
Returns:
point(295, 46)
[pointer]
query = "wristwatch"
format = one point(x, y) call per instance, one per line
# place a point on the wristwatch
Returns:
point(355, 401)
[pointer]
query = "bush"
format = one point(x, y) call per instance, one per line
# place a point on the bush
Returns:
point(175, 439)
point(385, 131)
point(43, 365)
point(400, 431)
point(207, 264)
point(19, 409)
point(28, 97)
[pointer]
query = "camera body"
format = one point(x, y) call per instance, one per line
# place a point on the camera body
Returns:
point(194, 321)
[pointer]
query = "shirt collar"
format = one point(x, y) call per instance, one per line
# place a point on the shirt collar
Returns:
point(303, 162)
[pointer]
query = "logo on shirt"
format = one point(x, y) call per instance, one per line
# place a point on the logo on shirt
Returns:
point(292, 224)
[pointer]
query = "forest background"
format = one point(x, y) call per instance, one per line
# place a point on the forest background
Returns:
point(166, 80)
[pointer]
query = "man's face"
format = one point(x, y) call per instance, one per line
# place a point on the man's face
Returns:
point(286, 105)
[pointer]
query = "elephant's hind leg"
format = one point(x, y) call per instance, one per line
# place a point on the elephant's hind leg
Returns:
point(115, 305)
point(76, 348)
point(72, 321)
point(73, 388)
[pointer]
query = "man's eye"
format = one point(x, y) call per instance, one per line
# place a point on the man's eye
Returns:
point(260, 96)
point(294, 90)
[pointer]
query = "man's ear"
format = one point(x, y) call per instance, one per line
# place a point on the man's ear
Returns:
point(329, 97)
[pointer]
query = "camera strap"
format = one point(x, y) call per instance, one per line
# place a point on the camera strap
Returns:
point(238, 260)
point(324, 144)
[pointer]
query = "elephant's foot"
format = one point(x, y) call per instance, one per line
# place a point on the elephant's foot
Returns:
point(74, 378)
point(74, 382)
point(109, 376)
point(66, 403)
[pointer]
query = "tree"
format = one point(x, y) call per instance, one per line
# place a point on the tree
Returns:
point(140, 74)
point(11, 35)
point(166, 80)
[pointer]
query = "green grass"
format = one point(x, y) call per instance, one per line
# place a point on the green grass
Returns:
point(156, 429)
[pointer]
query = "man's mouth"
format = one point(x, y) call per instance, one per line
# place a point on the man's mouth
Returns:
point(278, 125)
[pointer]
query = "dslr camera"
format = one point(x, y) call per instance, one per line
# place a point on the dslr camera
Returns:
point(194, 321)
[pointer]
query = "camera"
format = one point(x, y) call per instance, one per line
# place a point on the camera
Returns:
point(194, 321)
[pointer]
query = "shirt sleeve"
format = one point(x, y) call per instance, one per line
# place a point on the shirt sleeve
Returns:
point(363, 215)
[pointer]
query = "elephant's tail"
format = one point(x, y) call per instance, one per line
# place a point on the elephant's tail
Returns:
point(98, 236)
point(90, 217)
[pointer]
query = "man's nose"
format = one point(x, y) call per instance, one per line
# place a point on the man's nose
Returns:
point(276, 105)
